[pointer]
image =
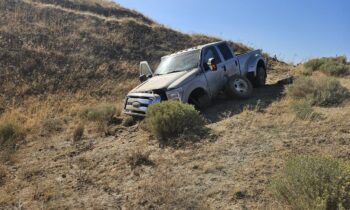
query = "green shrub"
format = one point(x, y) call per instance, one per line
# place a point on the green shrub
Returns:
point(335, 69)
point(324, 91)
point(9, 133)
point(170, 119)
point(303, 110)
point(98, 113)
point(314, 64)
point(334, 66)
point(314, 183)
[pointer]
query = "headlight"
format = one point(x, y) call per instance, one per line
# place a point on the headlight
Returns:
point(175, 94)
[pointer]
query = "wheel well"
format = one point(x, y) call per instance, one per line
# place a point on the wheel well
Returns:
point(261, 63)
point(251, 75)
point(195, 94)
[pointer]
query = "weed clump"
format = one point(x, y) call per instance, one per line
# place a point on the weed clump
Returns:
point(170, 119)
point(334, 66)
point(10, 133)
point(100, 112)
point(324, 91)
point(303, 110)
point(52, 125)
point(314, 183)
point(78, 133)
point(138, 158)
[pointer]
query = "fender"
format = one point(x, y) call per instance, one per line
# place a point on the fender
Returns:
point(253, 63)
point(190, 87)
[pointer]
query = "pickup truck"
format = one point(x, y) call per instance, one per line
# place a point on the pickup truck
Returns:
point(197, 76)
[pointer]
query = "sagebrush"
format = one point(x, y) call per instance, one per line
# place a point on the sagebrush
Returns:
point(323, 91)
point(313, 183)
point(334, 66)
point(9, 133)
point(171, 119)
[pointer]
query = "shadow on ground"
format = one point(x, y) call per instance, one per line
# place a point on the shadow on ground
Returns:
point(224, 107)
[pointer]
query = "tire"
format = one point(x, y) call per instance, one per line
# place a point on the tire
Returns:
point(239, 87)
point(260, 78)
point(202, 102)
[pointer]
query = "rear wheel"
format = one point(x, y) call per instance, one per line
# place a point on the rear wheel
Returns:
point(260, 78)
point(239, 87)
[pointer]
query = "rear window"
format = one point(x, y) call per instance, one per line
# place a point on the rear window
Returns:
point(225, 51)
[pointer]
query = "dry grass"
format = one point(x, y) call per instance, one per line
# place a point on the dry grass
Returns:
point(314, 183)
point(53, 125)
point(78, 133)
point(88, 58)
point(3, 175)
point(138, 158)
point(83, 47)
point(167, 191)
point(303, 110)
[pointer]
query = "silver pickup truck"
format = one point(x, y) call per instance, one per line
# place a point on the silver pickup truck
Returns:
point(196, 76)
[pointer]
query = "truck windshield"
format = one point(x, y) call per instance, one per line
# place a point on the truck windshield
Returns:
point(181, 62)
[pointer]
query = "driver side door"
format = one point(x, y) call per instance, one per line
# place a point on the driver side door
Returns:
point(214, 78)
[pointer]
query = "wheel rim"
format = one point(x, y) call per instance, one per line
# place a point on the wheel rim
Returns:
point(240, 86)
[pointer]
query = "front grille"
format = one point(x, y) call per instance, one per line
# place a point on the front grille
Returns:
point(137, 103)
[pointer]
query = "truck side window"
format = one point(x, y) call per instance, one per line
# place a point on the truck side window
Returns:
point(225, 51)
point(210, 52)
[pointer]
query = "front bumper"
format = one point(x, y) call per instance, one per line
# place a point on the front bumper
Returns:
point(136, 104)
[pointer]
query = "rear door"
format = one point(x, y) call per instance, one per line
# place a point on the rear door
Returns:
point(230, 61)
point(214, 78)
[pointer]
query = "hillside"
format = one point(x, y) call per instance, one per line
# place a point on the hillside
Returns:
point(49, 46)
point(62, 59)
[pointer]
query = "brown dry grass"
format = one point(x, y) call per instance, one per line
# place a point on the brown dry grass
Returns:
point(233, 171)
point(87, 58)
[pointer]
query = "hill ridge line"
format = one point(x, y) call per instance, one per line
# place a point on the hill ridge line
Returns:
point(41, 5)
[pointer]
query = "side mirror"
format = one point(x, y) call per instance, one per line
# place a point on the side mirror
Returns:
point(212, 63)
point(145, 71)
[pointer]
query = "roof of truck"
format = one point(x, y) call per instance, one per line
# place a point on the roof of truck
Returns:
point(193, 48)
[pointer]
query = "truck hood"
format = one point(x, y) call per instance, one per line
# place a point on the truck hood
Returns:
point(162, 81)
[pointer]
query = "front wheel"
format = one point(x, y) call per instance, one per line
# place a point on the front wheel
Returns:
point(260, 78)
point(239, 87)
